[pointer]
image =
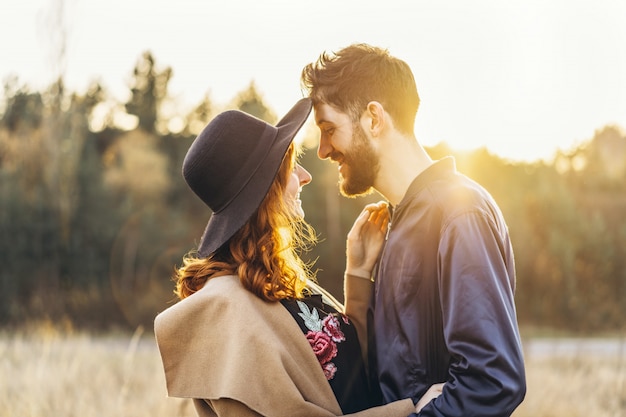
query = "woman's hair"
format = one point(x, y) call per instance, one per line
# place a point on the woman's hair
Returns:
point(263, 253)
point(358, 74)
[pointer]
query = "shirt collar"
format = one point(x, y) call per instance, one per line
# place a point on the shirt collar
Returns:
point(439, 169)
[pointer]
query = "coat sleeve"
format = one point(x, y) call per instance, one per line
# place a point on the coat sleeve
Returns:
point(229, 407)
point(480, 325)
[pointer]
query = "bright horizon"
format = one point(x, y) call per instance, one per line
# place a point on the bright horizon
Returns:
point(522, 78)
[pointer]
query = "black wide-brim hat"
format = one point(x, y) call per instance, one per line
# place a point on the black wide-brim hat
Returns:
point(232, 164)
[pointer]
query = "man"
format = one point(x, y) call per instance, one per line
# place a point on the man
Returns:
point(442, 308)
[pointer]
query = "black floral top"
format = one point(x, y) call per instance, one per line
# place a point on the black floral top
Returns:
point(334, 341)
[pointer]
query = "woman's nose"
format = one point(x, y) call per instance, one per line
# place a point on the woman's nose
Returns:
point(304, 175)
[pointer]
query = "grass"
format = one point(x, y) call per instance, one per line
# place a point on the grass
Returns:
point(51, 373)
point(575, 386)
point(47, 371)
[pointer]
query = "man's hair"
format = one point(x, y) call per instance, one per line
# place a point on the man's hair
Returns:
point(360, 73)
point(263, 253)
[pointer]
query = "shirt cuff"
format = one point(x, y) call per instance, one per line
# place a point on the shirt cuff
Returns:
point(369, 278)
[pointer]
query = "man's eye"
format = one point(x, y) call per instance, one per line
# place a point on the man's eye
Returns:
point(329, 131)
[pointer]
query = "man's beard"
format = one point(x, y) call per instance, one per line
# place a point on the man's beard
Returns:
point(360, 165)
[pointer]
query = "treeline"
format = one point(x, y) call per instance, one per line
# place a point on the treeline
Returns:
point(94, 214)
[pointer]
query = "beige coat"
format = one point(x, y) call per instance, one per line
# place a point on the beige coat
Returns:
point(237, 355)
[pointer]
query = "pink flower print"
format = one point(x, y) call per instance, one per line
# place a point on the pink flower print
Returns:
point(323, 347)
point(329, 370)
point(332, 328)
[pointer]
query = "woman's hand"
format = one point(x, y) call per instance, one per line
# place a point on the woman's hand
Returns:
point(433, 392)
point(365, 239)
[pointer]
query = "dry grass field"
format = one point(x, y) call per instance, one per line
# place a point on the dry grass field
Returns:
point(48, 372)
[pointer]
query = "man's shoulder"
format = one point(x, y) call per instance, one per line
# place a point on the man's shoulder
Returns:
point(459, 192)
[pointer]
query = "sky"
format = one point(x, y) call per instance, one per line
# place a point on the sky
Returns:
point(523, 78)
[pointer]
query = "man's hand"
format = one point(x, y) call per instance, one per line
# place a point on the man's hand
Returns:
point(365, 239)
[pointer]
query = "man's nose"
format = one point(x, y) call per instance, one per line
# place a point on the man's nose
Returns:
point(324, 148)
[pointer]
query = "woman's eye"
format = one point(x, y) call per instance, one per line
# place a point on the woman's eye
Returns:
point(329, 131)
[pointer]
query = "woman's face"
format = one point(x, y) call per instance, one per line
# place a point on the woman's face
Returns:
point(297, 179)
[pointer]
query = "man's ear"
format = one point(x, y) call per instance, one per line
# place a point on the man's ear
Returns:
point(376, 118)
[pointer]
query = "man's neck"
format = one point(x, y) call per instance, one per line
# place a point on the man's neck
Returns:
point(401, 161)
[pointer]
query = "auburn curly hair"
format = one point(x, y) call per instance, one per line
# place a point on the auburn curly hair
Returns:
point(264, 253)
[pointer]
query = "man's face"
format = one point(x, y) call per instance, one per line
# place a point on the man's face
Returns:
point(347, 144)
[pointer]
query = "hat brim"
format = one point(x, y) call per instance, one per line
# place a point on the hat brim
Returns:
point(225, 223)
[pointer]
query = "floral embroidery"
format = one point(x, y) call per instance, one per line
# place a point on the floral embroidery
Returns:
point(332, 328)
point(323, 336)
point(311, 317)
point(329, 370)
point(323, 346)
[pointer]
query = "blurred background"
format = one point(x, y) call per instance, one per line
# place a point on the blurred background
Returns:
point(101, 101)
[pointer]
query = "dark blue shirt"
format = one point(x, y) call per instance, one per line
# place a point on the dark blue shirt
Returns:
point(443, 307)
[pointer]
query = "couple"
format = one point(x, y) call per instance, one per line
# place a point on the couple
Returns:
point(432, 331)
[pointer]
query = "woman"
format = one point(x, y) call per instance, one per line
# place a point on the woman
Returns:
point(252, 335)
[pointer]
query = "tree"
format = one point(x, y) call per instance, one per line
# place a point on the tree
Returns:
point(22, 107)
point(148, 90)
point(199, 117)
point(252, 102)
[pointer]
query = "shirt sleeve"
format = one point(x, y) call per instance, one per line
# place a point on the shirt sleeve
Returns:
point(486, 374)
point(357, 294)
